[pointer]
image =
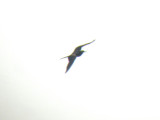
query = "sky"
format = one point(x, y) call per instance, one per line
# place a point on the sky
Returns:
point(116, 79)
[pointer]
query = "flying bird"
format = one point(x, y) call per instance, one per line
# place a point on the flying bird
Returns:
point(76, 53)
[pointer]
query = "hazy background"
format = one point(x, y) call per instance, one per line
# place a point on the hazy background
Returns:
point(118, 78)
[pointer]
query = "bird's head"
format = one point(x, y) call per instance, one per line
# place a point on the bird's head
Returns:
point(83, 51)
point(80, 53)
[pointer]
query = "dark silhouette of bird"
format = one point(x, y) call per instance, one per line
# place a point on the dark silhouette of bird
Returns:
point(76, 53)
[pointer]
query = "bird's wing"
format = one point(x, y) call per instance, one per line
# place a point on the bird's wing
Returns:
point(71, 60)
point(79, 47)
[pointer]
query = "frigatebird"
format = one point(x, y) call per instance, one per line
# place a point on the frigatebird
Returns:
point(76, 53)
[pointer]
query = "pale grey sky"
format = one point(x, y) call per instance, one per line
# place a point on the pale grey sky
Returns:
point(116, 79)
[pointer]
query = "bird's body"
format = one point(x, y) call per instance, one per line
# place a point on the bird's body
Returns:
point(76, 53)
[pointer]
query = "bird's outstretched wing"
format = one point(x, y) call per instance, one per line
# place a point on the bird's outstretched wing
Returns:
point(71, 60)
point(79, 47)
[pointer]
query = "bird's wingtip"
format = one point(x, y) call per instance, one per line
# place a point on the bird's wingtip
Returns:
point(63, 57)
point(93, 40)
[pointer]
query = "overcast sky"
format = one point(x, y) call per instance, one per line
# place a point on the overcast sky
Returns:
point(118, 78)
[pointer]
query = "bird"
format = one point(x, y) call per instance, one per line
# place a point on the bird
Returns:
point(76, 53)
